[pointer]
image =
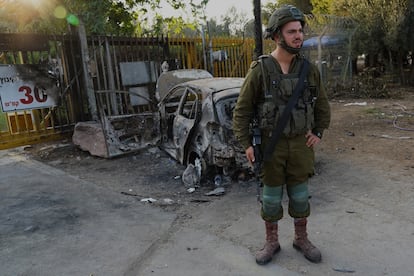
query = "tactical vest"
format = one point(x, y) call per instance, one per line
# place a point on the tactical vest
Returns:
point(278, 88)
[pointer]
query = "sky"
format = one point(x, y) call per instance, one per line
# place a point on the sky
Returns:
point(218, 8)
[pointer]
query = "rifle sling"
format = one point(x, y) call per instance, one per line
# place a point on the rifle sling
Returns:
point(277, 131)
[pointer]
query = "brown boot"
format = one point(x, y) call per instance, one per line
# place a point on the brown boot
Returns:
point(271, 247)
point(302, 243)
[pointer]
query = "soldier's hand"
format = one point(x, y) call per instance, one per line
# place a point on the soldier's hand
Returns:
point(250, 155)
point(311, 139)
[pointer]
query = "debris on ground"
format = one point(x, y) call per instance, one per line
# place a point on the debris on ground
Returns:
point(148, 200)
point(385, 136)
point(343, 270)
point(168, 201)
point(356, 103)
point(216, 192)
point(218, 180)
point(191, 177)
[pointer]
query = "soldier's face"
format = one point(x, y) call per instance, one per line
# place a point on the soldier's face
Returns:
point(292, 33)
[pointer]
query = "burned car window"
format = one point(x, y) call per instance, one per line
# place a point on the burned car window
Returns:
point(171, 104)
point(189, 105)
point(225, 108)
point(172, 101)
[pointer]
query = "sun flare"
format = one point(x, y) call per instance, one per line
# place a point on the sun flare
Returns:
point(35, 3)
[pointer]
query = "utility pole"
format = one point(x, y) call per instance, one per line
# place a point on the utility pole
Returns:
point(258, 35)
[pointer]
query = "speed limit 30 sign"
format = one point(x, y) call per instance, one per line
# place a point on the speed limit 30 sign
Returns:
point(18, 93)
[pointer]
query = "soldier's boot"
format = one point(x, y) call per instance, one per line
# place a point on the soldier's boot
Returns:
point(271, 247)
point(302, 243)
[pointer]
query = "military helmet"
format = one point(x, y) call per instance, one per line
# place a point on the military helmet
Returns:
point(281, 16)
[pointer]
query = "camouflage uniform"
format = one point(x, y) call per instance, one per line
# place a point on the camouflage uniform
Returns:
point(264, 95)
point(292, 161)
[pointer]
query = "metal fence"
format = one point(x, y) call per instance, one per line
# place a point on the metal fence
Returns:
point(328, 44)
point(81, 66)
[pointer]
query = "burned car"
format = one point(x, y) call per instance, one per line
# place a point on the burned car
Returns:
point(191, 120)
point(196, 123)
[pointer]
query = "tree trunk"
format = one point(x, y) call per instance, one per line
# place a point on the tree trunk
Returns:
point(401, 68)
point(391, 62)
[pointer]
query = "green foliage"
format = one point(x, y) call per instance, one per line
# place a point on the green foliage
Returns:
point(120, 20)
point(23, 15)
point(234, 23)
point(170, 26)
point(215, 29)
point(322, 6)
point(385, 28)
point(116, 17)
point(304, 6)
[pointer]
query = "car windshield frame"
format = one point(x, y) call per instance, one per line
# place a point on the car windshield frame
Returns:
point(224, 103)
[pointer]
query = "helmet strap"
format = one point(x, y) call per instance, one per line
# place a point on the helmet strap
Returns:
point(282, 43)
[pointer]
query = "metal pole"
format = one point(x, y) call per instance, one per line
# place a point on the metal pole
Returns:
point(88, 83)
point(258, 36)
point(111, 80)
point(203, 39)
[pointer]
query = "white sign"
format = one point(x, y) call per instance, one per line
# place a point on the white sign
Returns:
point(19, 94)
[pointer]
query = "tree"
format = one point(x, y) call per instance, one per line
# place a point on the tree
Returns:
point(322, 6)
point(233, 23)
point(215, 29)
point(170, 26)
point(99, 16)
point(20, 15)
point(385, 28)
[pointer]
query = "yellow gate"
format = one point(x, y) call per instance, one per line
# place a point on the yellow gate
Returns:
point(26, 116)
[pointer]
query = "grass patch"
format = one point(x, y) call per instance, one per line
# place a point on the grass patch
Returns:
point(377, 113)
point(373, 111)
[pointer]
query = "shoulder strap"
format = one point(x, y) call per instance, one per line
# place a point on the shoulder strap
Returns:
point(277, 131)
point(269, 72)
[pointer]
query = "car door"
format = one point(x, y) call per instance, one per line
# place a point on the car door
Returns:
point(127, 128)
point(188, 115)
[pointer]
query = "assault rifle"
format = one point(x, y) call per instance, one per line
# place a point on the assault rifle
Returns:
point(257, 164)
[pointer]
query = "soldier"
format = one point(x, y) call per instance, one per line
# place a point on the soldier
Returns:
point(269, 84)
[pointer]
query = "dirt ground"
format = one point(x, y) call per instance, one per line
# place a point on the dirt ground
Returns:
point(373, 132)
point(368, 139)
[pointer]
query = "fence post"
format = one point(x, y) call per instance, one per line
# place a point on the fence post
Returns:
point(258, 36)
point(88, 83)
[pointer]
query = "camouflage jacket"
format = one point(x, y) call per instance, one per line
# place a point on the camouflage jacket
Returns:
point(261, 96)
